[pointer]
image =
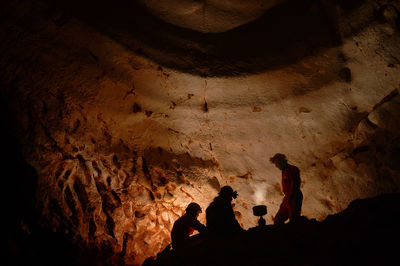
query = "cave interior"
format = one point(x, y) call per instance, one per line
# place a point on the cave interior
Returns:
point(116, 115)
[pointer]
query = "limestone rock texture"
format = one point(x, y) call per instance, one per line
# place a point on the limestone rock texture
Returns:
point(127, 118)
point(209, 16)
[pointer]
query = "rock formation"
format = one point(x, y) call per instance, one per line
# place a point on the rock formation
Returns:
point(363, 234)
point(129, 110)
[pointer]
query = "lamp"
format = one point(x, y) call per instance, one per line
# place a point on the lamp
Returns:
point(260, 210)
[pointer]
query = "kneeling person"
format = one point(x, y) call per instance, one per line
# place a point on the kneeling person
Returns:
point(185, 225)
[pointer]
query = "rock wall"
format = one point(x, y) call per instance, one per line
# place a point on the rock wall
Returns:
point(126, 124)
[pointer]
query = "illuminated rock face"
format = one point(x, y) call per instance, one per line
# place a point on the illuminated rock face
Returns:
point(122, 144)
point(209, 16)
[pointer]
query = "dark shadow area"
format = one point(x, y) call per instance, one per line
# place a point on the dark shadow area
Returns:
point(283, 35)
point(365, 233)
point(26, 238)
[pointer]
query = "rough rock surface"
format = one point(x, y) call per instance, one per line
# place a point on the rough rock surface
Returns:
point(209, 16)
point(127, 118)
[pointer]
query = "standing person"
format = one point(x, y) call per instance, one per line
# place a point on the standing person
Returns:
point(221, 220)
point(291, 205)
point(185, 226)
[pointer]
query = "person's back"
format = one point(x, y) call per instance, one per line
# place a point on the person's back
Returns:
point(291, 180)
point(221, 220)
point(185, 226)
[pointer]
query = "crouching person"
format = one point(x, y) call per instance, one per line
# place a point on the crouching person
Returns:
point(185, 226)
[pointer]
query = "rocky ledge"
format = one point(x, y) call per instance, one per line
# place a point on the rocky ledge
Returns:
point(365, 233)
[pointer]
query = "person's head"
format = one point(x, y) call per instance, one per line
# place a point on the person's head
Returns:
point(193, 209)
point(227, 192)
point(279, 160)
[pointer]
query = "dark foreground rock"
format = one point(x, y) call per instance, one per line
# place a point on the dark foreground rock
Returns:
point(366, 233)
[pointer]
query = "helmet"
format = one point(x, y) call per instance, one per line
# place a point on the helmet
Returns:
point(227, 191)
point(193, 208)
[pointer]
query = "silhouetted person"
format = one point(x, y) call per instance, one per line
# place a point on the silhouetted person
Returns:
point(221, 220)
point(185, 226)
point(291, 205)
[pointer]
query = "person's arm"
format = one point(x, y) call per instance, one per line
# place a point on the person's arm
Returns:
point(235, 223)
point(198, 226)
point(287, 183)
point(293, 180)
